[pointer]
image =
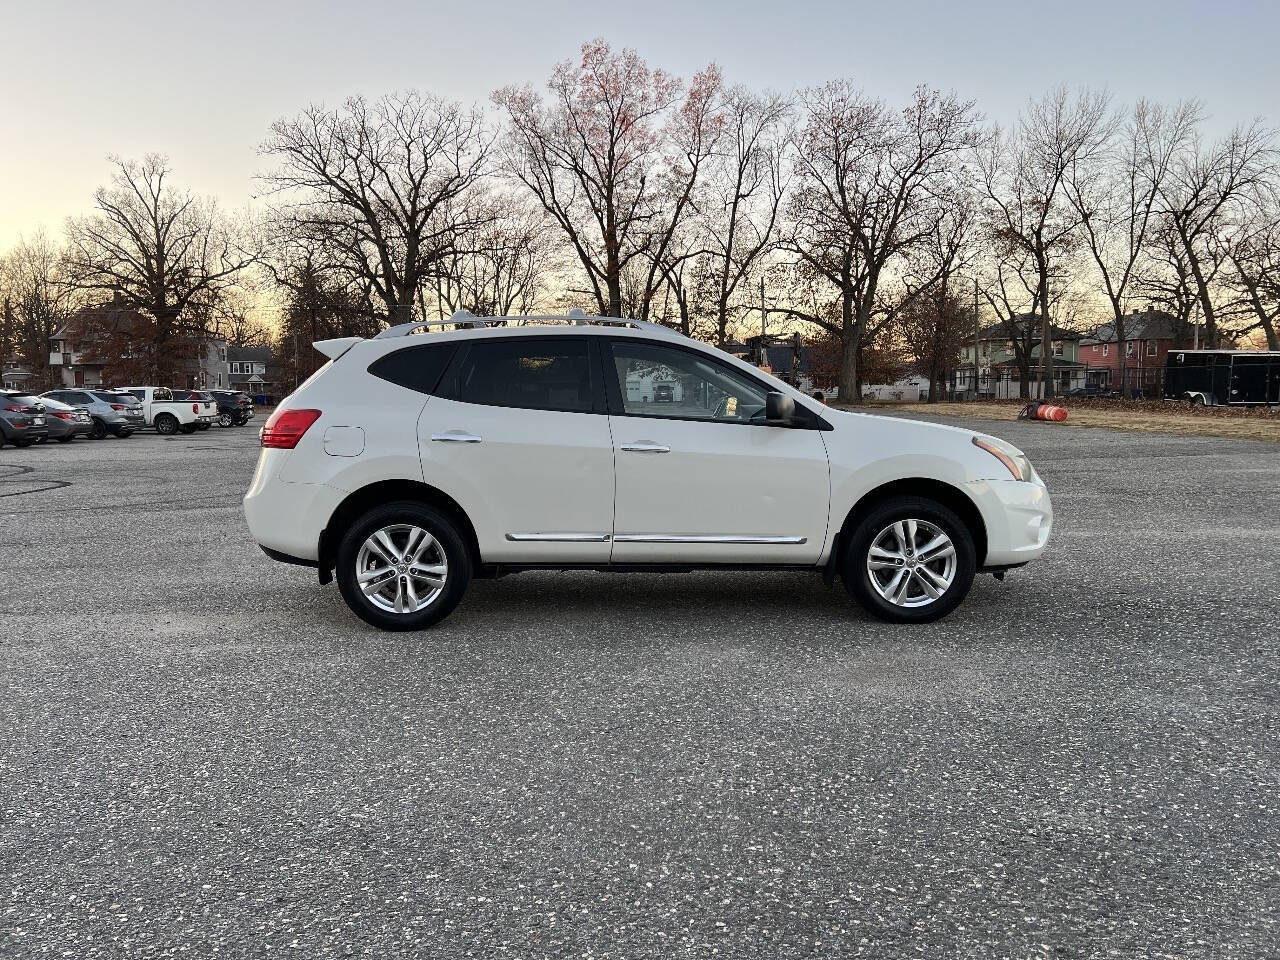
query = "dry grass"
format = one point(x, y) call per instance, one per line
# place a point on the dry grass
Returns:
point(1242, 424)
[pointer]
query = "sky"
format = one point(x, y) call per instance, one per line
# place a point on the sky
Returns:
point(201, 82)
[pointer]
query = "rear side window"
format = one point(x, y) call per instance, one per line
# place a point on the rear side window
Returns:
point(543, 374)
point(418, 368)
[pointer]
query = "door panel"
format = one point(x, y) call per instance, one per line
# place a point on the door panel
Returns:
point(723, 493)
point(537, 483)
point(700, 477)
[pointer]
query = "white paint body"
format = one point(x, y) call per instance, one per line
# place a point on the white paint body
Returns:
point(181, 409)
point(546, 487)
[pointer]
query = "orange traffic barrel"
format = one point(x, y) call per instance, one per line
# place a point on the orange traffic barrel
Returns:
point(1043, 411)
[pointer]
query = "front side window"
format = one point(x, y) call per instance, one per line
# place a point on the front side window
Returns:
point(547, 373)
point(659, 381)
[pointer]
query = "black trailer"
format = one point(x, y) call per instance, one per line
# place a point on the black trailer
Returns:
point(1213, 377)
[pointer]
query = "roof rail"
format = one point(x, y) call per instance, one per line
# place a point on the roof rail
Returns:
point(576, 316)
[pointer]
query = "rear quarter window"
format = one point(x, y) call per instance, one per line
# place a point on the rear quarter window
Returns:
point(417, 368)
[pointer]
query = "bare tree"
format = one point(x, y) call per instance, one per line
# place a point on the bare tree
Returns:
point(1254, 256)
point(936, 321)
point(867, 182)
point(161, 251)
point(36, 300)
point(1025, 180)
point(501, 267)
point(743, 196)
point(382, 184)
point(613, 154)
point(1205, 188)
point(1114, 193)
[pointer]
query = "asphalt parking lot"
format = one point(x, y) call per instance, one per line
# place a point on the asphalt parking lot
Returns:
point(202, 752)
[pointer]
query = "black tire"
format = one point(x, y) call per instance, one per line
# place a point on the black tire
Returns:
point(99, 431)
point(448, 540)
point(225, 420)
point(857, 576)
point(166, 424)
point(22, 444)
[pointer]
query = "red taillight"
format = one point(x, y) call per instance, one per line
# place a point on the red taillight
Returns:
point(63, 415)
point(118, 406)
point(195, 408)
point(285, 428)
point(15, 408)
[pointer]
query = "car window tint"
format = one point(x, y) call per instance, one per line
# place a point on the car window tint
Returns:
point(658, 381)
point(549, 373)
point(418, 368)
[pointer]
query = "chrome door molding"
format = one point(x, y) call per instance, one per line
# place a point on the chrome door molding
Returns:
point(678, 538)
point(645, 446)
point(456, 436)
point(558, 537)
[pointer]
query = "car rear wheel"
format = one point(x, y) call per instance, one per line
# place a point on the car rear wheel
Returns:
point(166, 424)
point(225, 420)
point(99, 430)
point(910, 560)
point(403, 566)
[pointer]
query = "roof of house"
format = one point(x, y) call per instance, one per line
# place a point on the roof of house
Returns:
point(1000, 331)
point(1145, 325)
point(257, 354)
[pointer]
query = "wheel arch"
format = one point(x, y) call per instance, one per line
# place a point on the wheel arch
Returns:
point(360, 501)
point(950, 496)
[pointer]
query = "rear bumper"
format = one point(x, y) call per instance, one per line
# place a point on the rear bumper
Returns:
point(287, 518)
point(1018, 516)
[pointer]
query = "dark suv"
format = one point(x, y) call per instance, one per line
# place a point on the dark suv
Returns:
point(22, 419)
point(234, 408)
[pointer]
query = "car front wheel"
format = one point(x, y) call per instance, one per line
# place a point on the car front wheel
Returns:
point(166, 424)
point(403, 566)
point(910, 560)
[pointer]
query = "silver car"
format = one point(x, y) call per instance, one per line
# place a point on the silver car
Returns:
point(64, 421)
point(109, 413)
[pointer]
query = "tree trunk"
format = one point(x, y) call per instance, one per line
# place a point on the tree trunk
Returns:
point(1046, 334)
point(851, 342)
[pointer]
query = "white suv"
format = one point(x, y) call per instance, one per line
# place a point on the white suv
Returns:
point(410, 463)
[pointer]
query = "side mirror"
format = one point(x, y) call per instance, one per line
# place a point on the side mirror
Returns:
point(779, 409)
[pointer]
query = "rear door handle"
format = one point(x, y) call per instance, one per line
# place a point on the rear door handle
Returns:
point(645, 446)
point(456, 436)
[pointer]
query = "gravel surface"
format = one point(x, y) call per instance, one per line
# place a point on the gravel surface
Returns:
point(202, 753)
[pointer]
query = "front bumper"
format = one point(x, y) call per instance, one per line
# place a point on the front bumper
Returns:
point(1018, 516)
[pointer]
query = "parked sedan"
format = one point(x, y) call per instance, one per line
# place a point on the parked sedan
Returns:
point(22, 419)
point(108, 413)
point(66, 422)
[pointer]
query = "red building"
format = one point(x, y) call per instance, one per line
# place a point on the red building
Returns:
point(1138, 362)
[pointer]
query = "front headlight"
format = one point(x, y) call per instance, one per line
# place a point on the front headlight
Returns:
point(1016, 463)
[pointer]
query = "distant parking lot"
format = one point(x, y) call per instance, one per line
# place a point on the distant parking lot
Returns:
point(203, 750)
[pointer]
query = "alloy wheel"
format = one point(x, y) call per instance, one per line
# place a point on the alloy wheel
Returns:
point(401, 568)
point(911, 563)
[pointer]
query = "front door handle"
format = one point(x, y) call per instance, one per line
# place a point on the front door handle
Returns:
point(456, 436)
point(646, 446)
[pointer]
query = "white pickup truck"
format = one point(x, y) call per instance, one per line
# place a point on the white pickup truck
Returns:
point(170, 416)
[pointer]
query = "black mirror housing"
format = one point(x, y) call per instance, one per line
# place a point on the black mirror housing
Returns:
point(779, 409)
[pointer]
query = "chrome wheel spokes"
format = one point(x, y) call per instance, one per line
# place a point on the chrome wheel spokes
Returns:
point(401, 568)
point(911, 563)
